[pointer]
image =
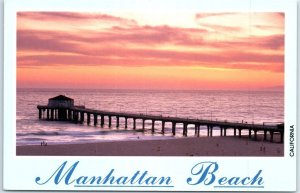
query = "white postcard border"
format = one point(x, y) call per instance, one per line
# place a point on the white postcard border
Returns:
point(21, 172)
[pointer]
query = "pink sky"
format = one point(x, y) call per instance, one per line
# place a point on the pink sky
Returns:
point(144, 51)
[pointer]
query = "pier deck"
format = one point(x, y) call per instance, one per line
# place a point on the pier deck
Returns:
point(78, 114)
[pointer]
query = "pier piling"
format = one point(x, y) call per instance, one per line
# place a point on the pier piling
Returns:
point(143, 124)
point(81, 117)
point(153, 126)
point(118, 122)
point(126, 123)
point(134, 123)
point(88, 118)
point(174, 128)
point(102, 120)
point(109, 121)
point(95, 119)
point(163, 127)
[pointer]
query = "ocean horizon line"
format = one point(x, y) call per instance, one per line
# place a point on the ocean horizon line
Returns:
point(157, 90)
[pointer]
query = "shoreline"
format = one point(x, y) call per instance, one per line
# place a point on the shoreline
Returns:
point(187, 146)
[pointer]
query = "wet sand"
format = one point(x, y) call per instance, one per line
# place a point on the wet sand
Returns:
point(189, 146)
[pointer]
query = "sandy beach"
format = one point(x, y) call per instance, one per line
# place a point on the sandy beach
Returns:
point(190, 146)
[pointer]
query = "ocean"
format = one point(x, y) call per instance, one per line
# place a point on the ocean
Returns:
point(248, 106)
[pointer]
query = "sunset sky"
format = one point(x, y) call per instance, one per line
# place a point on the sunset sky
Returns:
point(140, 50)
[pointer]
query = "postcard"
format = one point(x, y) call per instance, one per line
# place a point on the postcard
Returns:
point(139, 95)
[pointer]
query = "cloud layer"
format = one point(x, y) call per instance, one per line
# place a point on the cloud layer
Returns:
point(89, 39)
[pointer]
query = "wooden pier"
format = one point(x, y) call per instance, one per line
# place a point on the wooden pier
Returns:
point(80, 114)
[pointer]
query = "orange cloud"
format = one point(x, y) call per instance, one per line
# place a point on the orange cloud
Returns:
point(83, 52)
point(73, 16)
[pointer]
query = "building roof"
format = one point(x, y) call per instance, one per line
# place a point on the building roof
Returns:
point(61, 98)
